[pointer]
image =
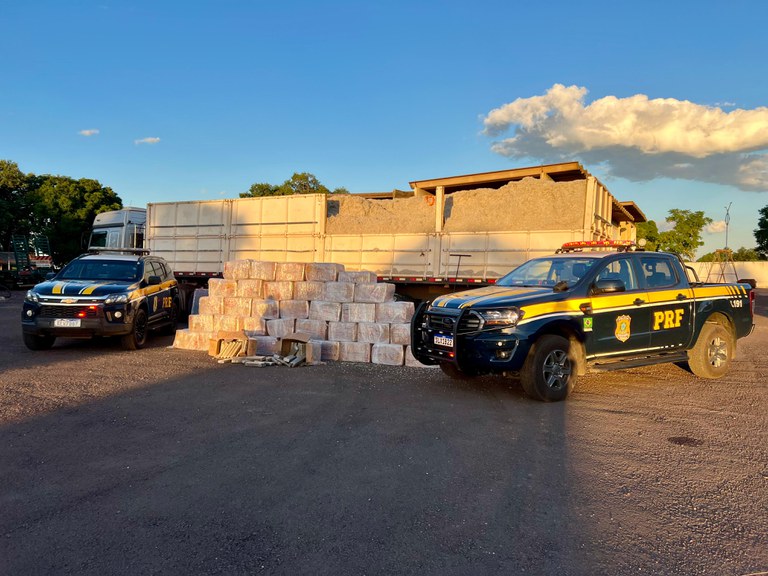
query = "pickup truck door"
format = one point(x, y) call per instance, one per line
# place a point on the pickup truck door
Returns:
point(620, 321)
point(671, 303)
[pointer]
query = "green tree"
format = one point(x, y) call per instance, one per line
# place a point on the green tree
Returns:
point(761, 234)
point(14, 207)
point(740, 255)
point(650, 233)
point(299, 183)
point(63, 209)
point(685, 237)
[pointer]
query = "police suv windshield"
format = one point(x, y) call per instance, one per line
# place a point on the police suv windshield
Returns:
point(101, 270)
point(548, 271)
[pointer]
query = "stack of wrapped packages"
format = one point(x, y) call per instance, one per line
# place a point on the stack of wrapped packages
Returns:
point(349, 316)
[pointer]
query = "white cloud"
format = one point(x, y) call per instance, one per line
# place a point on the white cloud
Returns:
point(637, 137)
point(149, 140)
point(715, 227)
point(89, 132)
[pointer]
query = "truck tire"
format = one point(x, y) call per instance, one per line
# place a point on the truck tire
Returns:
point(711, 356)
point(138, 335)
point(34, 342)
point(549, 371)
point(455, 373)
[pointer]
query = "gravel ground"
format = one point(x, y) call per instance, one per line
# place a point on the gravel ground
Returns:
point(161, 461)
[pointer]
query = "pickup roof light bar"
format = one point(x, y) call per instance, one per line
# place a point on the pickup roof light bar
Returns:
point(581, 245)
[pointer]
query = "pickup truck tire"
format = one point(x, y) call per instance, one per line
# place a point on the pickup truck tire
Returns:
point(138, 335)
point(455, 373)
point(549, 371)
point(38, 342)
point(711, 356)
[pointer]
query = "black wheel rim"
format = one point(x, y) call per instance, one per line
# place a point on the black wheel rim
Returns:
point(140, 329)
point(556, 370)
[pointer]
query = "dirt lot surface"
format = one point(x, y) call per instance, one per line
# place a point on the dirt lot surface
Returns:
point(161, 461)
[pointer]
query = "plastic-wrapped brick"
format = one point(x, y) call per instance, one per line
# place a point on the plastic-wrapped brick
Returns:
point(250, 288)
point(400, 334)
point(328, 311)
point(389, 354)
point(317, 329)
point(358, 277)
point(313, 352)
point(354, 352)
point(237, 306)
point(372, 332)
point(220, 288)
point(323, 271)
point(358, 312)
point(187, 340)
point(211, 305)
point(262, 270)
point(255, 326)
point(278, 290)
point(342, 331)
point(329, 350)
point(202, 323)
point(237, 269)
point(309, 290)
point(294, 309)
point(281, 327)
point(394, 312)
point(230, 323)
point(289, 271)
point(339, 292)
point(381, 292)
point(269, 309)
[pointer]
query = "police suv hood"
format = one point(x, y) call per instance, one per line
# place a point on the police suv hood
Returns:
point(92, 288)
point(493, 297)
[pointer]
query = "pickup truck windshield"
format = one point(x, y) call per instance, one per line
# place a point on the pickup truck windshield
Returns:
point(117, 270)
point(548, 272)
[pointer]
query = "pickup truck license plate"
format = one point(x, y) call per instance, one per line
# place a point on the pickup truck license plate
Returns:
point(446, 341)
point(66, 323)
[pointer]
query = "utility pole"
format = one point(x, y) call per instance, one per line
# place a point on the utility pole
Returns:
point(727, 222)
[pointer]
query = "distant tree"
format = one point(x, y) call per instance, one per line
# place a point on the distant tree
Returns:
point(740, 255)
point(299, 183)
point(261, 189)
point(63, 209)
point(685, 237)
point(650, 233)
point(14, 207)
point(761, 234)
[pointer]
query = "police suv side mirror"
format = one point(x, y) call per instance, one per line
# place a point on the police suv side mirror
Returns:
point(608, 286)
point(154, 280)
point(50, 275)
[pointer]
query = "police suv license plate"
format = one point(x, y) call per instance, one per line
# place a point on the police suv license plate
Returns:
point(66, 323)
point(441, 340)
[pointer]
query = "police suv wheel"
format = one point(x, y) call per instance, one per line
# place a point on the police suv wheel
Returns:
point(713, 352)
point(138, 335)
point(38, 342)
point(549, 371)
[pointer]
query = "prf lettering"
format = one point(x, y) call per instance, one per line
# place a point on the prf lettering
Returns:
point(667, 319)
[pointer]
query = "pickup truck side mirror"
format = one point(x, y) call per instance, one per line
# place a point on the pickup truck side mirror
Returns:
point(608, 286)
point(154, 280)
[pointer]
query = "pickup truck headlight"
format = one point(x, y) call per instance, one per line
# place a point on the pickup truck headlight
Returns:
point(500, 318)
point(116, 299)
point(32, 296)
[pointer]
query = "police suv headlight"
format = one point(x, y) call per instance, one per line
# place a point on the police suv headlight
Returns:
point(32, 296)
point(116, 299)
point(500, 318)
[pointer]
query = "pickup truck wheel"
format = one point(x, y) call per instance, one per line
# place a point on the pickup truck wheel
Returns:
point(38, 342)
point(138, 335)
point(549, 371)
point(711, 356)
point(454, 372)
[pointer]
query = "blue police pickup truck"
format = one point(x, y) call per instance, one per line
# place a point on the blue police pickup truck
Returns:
point(124, 293)
point(597, 305)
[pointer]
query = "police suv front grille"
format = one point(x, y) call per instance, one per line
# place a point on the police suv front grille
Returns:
point(68, 312)
point(468, 323)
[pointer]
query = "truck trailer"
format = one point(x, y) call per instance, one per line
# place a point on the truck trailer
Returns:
point(443, 235)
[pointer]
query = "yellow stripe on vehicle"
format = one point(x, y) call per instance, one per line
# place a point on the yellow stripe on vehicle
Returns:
point(58, 288)
point(90, 289)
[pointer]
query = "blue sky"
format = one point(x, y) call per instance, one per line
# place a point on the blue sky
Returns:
point(165, 100)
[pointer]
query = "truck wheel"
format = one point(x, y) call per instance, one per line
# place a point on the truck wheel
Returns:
point(549, 371)
point(711, 356)
point(38, 342)
point(138, 335)
point(455, 373)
